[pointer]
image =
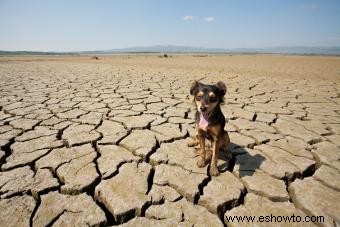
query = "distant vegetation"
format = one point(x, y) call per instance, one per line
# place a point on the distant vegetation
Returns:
point(200, 55)
point(165, 56)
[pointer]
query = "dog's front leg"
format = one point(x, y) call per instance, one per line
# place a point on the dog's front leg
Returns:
point(213, 165)
point(201, 138)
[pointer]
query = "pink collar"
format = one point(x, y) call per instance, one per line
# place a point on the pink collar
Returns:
point(203, 124)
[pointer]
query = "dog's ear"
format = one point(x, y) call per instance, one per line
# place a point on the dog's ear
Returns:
point(222, 88)
point(194, 87)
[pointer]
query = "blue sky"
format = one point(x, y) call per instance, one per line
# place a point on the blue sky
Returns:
point(74, 25)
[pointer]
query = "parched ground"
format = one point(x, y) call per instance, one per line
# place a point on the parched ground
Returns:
point(103, 142)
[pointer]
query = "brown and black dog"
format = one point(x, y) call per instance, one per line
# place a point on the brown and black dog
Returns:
point(210, 122)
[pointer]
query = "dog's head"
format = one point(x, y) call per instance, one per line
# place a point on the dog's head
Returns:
point(207, 97)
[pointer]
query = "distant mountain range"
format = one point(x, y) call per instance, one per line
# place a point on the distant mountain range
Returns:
point(188, 49)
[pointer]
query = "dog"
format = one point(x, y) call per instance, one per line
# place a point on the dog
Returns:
point(210, 122)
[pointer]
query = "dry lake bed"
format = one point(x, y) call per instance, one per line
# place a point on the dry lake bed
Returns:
point(88, 142)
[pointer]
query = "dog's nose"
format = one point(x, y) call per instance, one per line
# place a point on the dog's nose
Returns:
point(203, 108)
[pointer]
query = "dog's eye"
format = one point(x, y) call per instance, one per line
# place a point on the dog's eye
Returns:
point(213, 98)
point(198, 97)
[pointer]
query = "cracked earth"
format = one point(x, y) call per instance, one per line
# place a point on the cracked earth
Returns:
point(100, 143)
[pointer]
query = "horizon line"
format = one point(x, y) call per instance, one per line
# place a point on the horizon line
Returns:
point(178, 46)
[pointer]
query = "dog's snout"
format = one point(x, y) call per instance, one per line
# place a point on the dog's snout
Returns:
point(203, 108)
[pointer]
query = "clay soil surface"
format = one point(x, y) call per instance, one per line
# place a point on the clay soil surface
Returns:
point(103, 142)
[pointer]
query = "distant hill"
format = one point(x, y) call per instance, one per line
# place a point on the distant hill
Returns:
point(162, 49)
point(189, 49)
point(301, 50)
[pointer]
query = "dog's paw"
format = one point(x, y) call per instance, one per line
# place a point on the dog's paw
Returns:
point(192, 143)
point(214, 171)
point(201, 163)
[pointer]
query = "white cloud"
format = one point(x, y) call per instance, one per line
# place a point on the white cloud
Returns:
point(187, 18)
point(209, 19)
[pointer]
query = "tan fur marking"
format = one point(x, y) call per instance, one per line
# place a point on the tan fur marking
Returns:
point(211, 94)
